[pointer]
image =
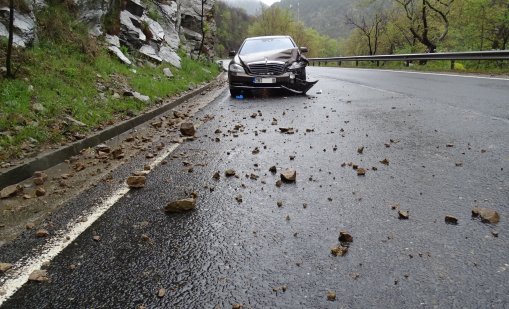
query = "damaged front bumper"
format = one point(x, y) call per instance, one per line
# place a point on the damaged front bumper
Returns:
point(287, 81)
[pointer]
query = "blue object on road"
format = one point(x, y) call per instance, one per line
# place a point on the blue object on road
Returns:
point(239, 97)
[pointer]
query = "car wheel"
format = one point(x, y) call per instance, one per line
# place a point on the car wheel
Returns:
point(235, 92)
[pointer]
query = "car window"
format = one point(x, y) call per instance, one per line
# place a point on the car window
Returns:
point(267, 44)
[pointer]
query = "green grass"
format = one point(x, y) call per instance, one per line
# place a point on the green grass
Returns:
point(64, 81)
point(483, 67)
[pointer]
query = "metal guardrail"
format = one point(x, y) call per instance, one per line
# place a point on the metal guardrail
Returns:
point(407, 58)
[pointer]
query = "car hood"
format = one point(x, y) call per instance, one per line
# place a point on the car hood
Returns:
point(285, 55)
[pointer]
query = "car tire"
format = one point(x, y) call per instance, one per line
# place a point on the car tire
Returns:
point(235, 92)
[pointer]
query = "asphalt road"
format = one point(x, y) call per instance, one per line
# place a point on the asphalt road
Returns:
point(448, 150)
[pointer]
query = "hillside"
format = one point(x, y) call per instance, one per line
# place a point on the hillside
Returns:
point(252, 7)
point(325, 16)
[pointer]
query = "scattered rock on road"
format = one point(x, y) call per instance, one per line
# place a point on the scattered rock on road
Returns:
point(273, 169)
point(10, 191)
point(136, 181)
point(339, 250)
point(451, 220)
point(331, 296)
point(229, 172)
point(345, 236)
point(385, 161)
point(181, 205)
point(361, 171)
point(39, 276)
point(5, 267)
point(360, 150)
point(161, 292)
point(403, 214)
point(187, 129)
point(486, 215)
point(41, 233)
point(40, 192)
point(289, 175)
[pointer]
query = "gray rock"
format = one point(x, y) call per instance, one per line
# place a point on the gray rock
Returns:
point(168, 55)
point(135, 7)
point(117, 52)
point(141, 97)
point(150, 52)
point(170, 11)
point(181, 205)
point(155, 28)
point(38, 107)
point(24, 27)
point(167, 72)
point(113, 40)
point(75, 121)
point(131, 35)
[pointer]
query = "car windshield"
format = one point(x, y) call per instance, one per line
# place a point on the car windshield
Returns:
point(266, 44)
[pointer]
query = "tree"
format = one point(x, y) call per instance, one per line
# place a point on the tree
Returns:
point(202, 15)
point(8, 64)
point(421, 14)
point(371, 29)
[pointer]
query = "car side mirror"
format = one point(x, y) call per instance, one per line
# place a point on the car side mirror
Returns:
point(304, 49)
point(232, 53)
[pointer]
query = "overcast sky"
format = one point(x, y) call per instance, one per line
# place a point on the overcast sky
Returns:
point(269, 2)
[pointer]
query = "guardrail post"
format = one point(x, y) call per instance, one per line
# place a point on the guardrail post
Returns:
point(377, 63)
point(339, 63)
point(452, 64)
point(407, 63)
point(356, 63)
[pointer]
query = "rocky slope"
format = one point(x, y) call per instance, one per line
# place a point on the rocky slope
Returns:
point(178, 24)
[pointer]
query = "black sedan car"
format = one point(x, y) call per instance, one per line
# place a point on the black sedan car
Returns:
point(269, 62)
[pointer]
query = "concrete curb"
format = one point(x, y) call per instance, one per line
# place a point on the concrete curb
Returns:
point(49, 159)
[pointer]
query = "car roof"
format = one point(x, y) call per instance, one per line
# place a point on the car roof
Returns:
point(268, 37)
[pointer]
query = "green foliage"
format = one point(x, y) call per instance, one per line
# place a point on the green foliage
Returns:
point(59, 74)
point(232, 25)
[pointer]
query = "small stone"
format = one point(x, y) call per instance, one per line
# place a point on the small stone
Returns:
point(38, 181)
point(279, 183)
point(403, 215)
point(39, 276)
point(187, 129)
point(289, 175)
point(161, 292)
point(385, 161)
point(96, 238)
point(136, 181)
point(157, 124)
point(40, 192)
point(494, 233)
point(102, 148)
point(451, 220)
point(331, 296)
point(229, 173)
point(486, 215)
point(236, 306)
point(146, 167)
point(5, 267)
point(10, 191)
point(41, 233)
point(360, 150)
point(238, 198)
point(339, 250)
point(273, 169)
point(29, 226)
point(279, 203)
point(181, 205)
point(216, 176)
point(345, 236)
point(361, 171)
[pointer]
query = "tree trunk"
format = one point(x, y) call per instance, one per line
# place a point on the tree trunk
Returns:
point(202, 28)
point(8, 64)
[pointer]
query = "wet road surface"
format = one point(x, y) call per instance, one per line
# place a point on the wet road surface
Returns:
point(448, 151)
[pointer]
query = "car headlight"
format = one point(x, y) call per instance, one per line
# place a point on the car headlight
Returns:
point(236, 68)
point(296, 66)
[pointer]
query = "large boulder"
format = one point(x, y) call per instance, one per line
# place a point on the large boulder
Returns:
point(24, 27)
point(167, 54)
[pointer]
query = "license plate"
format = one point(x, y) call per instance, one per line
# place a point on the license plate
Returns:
point(262, 80)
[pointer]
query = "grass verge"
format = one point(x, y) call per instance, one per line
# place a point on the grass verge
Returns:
point(56, 81)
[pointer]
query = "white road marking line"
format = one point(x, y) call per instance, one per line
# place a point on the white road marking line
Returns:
point(22, 269)
point(426, 73)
